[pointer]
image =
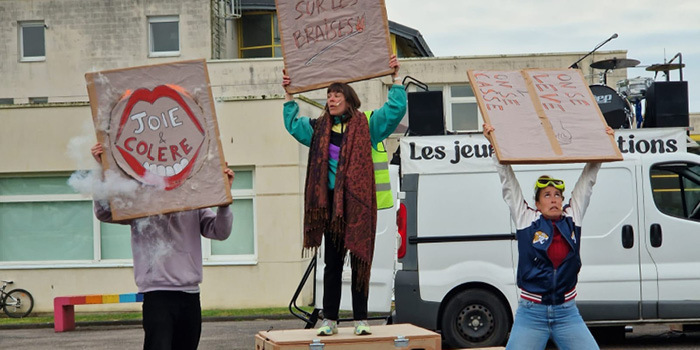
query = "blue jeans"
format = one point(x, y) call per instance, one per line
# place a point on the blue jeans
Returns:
point(536, 323)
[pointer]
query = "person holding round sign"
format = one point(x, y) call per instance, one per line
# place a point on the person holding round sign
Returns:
point(347, 180)
point(167, 251)
point(549, 260)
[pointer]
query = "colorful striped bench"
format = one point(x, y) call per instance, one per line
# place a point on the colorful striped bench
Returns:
point(64, 310)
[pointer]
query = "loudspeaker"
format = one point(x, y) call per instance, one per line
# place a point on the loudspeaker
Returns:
point(425, 113)
point(667, 104)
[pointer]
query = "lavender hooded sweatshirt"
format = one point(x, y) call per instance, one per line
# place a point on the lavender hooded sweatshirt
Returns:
point(167, 248)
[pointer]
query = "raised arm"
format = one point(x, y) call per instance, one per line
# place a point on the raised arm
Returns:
point(285, 82)
point(299, 127)
point(581, 194)
point(385, 119)
point(512, 193)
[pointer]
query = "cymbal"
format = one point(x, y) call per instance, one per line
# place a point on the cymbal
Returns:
point(615, 63)
point(665, 67)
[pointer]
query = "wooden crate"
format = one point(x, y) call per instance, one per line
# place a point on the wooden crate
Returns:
point(395, 337)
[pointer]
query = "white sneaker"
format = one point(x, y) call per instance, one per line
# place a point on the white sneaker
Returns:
point(362, 328)
point(328, 327)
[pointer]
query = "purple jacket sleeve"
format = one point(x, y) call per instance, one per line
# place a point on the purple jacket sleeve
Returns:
point(104, 214)
point(216, 225)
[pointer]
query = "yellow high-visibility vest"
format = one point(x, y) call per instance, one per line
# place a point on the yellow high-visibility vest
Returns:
point(381, 174)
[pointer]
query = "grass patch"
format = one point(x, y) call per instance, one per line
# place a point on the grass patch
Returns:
point(272, 312)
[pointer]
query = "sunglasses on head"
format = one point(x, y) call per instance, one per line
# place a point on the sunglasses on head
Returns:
point(545, 181)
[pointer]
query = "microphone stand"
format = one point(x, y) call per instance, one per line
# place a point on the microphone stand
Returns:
point(575, 64)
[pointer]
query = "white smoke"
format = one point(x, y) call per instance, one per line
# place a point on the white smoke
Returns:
point(90, 182)
point(113, 186)
point(79, 147)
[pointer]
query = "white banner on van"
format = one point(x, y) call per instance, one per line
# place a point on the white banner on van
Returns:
point(651, 141)
point(457, 153)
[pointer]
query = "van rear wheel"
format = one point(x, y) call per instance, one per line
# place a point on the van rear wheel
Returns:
point(475, 318)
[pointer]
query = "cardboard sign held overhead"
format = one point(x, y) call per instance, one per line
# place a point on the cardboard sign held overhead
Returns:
point(333, 41)
point(158, 127)
point(542, 116)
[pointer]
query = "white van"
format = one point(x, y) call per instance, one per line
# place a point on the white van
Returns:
point(641, 233)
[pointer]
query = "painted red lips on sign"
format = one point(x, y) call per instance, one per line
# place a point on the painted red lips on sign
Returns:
point(160, 136)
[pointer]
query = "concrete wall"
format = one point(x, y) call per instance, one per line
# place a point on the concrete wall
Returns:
point(35, 140)
point(695, 123)
point(93, 35)
point(90, 35)
point(38, 139)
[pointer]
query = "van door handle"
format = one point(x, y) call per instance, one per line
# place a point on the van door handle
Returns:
point(627, 236)
point(655, 235)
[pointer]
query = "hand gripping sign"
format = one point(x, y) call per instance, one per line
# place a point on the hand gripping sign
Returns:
point(158, 127)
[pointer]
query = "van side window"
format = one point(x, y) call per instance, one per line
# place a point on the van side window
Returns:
point(676, 189)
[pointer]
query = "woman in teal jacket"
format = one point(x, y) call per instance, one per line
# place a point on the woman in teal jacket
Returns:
point(340, 199)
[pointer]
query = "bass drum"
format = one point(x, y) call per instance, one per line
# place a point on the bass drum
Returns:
point(615, 109)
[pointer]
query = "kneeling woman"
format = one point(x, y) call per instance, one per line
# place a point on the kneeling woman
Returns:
point(549, 243)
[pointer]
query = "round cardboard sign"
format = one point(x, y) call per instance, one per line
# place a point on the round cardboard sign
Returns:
point(159, 136)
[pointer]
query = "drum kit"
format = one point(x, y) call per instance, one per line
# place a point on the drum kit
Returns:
point(615, 104)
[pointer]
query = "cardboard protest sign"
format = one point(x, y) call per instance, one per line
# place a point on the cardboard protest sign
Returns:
point(158, 127)
point(542, 116)
point(333, 41)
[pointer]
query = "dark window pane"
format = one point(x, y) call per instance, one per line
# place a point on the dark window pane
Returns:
point(277, 31)
point(165, 36)
point(256, 31)
point(667, 193)
point(692, 198)
point(33, 41)
point(256, 53)
point(674, 183)
point(38, 100)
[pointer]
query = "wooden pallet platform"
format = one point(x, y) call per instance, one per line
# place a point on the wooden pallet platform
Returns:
point(395, 337)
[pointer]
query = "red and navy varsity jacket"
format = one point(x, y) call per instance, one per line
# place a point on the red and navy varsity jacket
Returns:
point(537, 278)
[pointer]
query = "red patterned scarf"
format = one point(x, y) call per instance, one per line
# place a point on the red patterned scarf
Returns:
point(353, 219)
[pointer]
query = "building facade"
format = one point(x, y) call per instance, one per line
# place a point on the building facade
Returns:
point(50, 242)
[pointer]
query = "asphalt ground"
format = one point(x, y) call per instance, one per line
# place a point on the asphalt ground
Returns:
point(223, 333)
point(216, 334)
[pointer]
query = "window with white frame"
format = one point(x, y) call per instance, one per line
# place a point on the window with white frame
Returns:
point(241, 245)
point(32, 43)
point(44, 221)
point(163, 36)
point(461, 109)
